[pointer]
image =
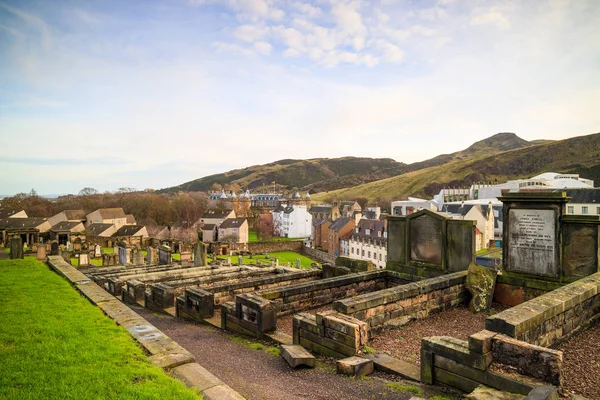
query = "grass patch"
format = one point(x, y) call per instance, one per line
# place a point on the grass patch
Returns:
point(368, 350)
point(108, 250)
point(284, 257)
point(398, 387)
point(176, 256)
point(255, 346)
point(253, 237)
point(276, 351)
point(54, 344)
point(245, 342)
point(440, 398)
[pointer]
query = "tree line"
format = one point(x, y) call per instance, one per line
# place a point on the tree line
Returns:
point(149, 208)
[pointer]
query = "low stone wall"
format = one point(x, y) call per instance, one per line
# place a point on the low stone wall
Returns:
point(354, 265)
point(415, 299)
point(199, 303)
point(330, 333)
point(263, 307)
point(159, 298)
point(318, 255)
point(552, 317)
point(272, 247)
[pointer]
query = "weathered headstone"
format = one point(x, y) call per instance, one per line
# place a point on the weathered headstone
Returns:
point(298, 264)
point(122, 253)
point(84, 260)
point(426, 240)
point(152, 256)
point(481, 282)
point(54, 249)
point(267, 255)
point(16, 247)
point(138, 258)
point(200, 254)
point(277, 262)
point(228, 260)
point(107, 260)
point(240, 260)
point(164, 255)
point(77, 245)
point(116, 249)
point(69, 246)
point(97, 251)
point(66, 255)
point(41, 253)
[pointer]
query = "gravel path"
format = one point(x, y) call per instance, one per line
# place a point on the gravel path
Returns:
point(257, 374)
point(581, 363)
point(405, 342)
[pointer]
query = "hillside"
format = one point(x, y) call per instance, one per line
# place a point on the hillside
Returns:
point(325, 174)
point(579, 155)
point(316, 175)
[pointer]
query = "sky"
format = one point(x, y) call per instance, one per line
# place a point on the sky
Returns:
point(151, 94)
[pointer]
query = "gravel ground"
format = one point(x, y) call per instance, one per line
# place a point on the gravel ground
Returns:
point(257, 374)
point(405, 342)
point(581, 363)
point(284, 324)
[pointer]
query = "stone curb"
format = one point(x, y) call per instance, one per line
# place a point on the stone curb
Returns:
point(163, 351)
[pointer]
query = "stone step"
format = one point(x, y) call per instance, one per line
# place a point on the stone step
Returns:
point(486, 393)
point(297, 355)
point(386, 363)
point(280, 337)
point(355, 366)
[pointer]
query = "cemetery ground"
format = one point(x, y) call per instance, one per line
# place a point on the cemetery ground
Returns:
point(255, 369)
point(55, 344)
point(253, 238)
point(284, 257)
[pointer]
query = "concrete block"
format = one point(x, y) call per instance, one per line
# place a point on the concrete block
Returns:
point(386, 363)
point(296, 355)
point(221, 392)
point(481, 342)
point(196, 376)
point(355, 366)
point(547, 392)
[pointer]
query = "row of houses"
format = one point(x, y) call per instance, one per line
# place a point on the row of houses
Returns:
point(105, 223)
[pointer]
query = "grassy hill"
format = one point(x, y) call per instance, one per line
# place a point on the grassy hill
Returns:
point(576, 155)
point(316, 175)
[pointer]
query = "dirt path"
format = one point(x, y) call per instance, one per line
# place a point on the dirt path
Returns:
point(256, 374)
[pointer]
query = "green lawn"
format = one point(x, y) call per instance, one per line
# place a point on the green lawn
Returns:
point(283, 256)
point(54, 344)
point(253, 237)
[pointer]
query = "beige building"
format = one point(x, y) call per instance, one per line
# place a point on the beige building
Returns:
point(12, 214)
point(101, 230)
point(67, 215)
point(483, 215)
point(114, 216)
point(234, 230)
point(215, 216)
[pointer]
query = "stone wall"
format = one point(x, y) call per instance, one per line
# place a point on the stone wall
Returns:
point(263, 307)
point(354, 265)
point(416, 300)
point(318, 255)
point(271, 247)
point(330, 333)
point(554, 316)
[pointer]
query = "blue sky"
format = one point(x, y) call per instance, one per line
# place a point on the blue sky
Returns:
point(150, 94)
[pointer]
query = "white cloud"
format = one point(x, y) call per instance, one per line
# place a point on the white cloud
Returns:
point(307, 9)
point(432, 14)
point(492, 17)
point(349, 21)
point(250, 33)
point(263, 48)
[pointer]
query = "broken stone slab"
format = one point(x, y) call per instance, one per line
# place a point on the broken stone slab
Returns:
point(355, 366)
point(547, 392)
point(480, 283)
point(296, 356)
point(386, 363)
point(482, 392)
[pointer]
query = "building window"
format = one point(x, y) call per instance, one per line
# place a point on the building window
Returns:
point(570, 210)
point(584, 210)
point(379, 257)
point(363, 253)
point(352, 250)
point(598, 210)
point(369, 254)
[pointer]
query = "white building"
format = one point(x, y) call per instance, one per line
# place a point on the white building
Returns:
point(369, 242)
point(583, 202)
point(413, 204)
point(292, 221)
point(483, 215)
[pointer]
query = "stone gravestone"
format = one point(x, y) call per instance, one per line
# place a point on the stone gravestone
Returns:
point(228, 260)
point(240, 259)
point(54, 249)
point(116, 249)
point(69, 246)
point(97, 251)
point(164, 255)
point(84, 260)
point(481, 282)
point(66, 255)
point(107, 260)
point(122, 252)
point(200, 254)
point(426, 240)
point(152, 256)
point(16, 247)
point(138, 258)
point(298, 264)
point(267, 255)
point(41, 253)
point(277, 262)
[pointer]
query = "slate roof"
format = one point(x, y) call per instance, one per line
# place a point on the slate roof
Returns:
point(340, 223)
point(97, 229)
point(208, 227)
point(75, 215)
point(21, 223)
point(232, 223)
point(7, 213)
point(158, 232)
point(320, 209)
point(111, 213)
point(64, 226)
point(127, 230)
point(215, 213)
point(374, 226)
point(584, 196)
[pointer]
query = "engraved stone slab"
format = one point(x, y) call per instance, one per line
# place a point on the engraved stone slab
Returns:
point(532, 242)
point(426, 240)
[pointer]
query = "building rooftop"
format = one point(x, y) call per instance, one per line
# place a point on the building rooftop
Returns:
point(64, 226)
point(340, 223)
point(4, 213)
point(232, 223)
point(128, 230)
point(21, 223)
point(97, 229)
point(216, 213)
point(111, 213)
point(73, 215)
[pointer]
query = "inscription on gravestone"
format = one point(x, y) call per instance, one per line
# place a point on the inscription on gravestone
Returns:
point(425, 242)
point(531, 241)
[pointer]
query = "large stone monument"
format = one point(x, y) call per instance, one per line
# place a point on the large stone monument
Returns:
point(200, 254)
point(16, 247)
point(430, 244)
point(164, 255)
point(543, 247)
point(41, 253)
point(123, 254)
